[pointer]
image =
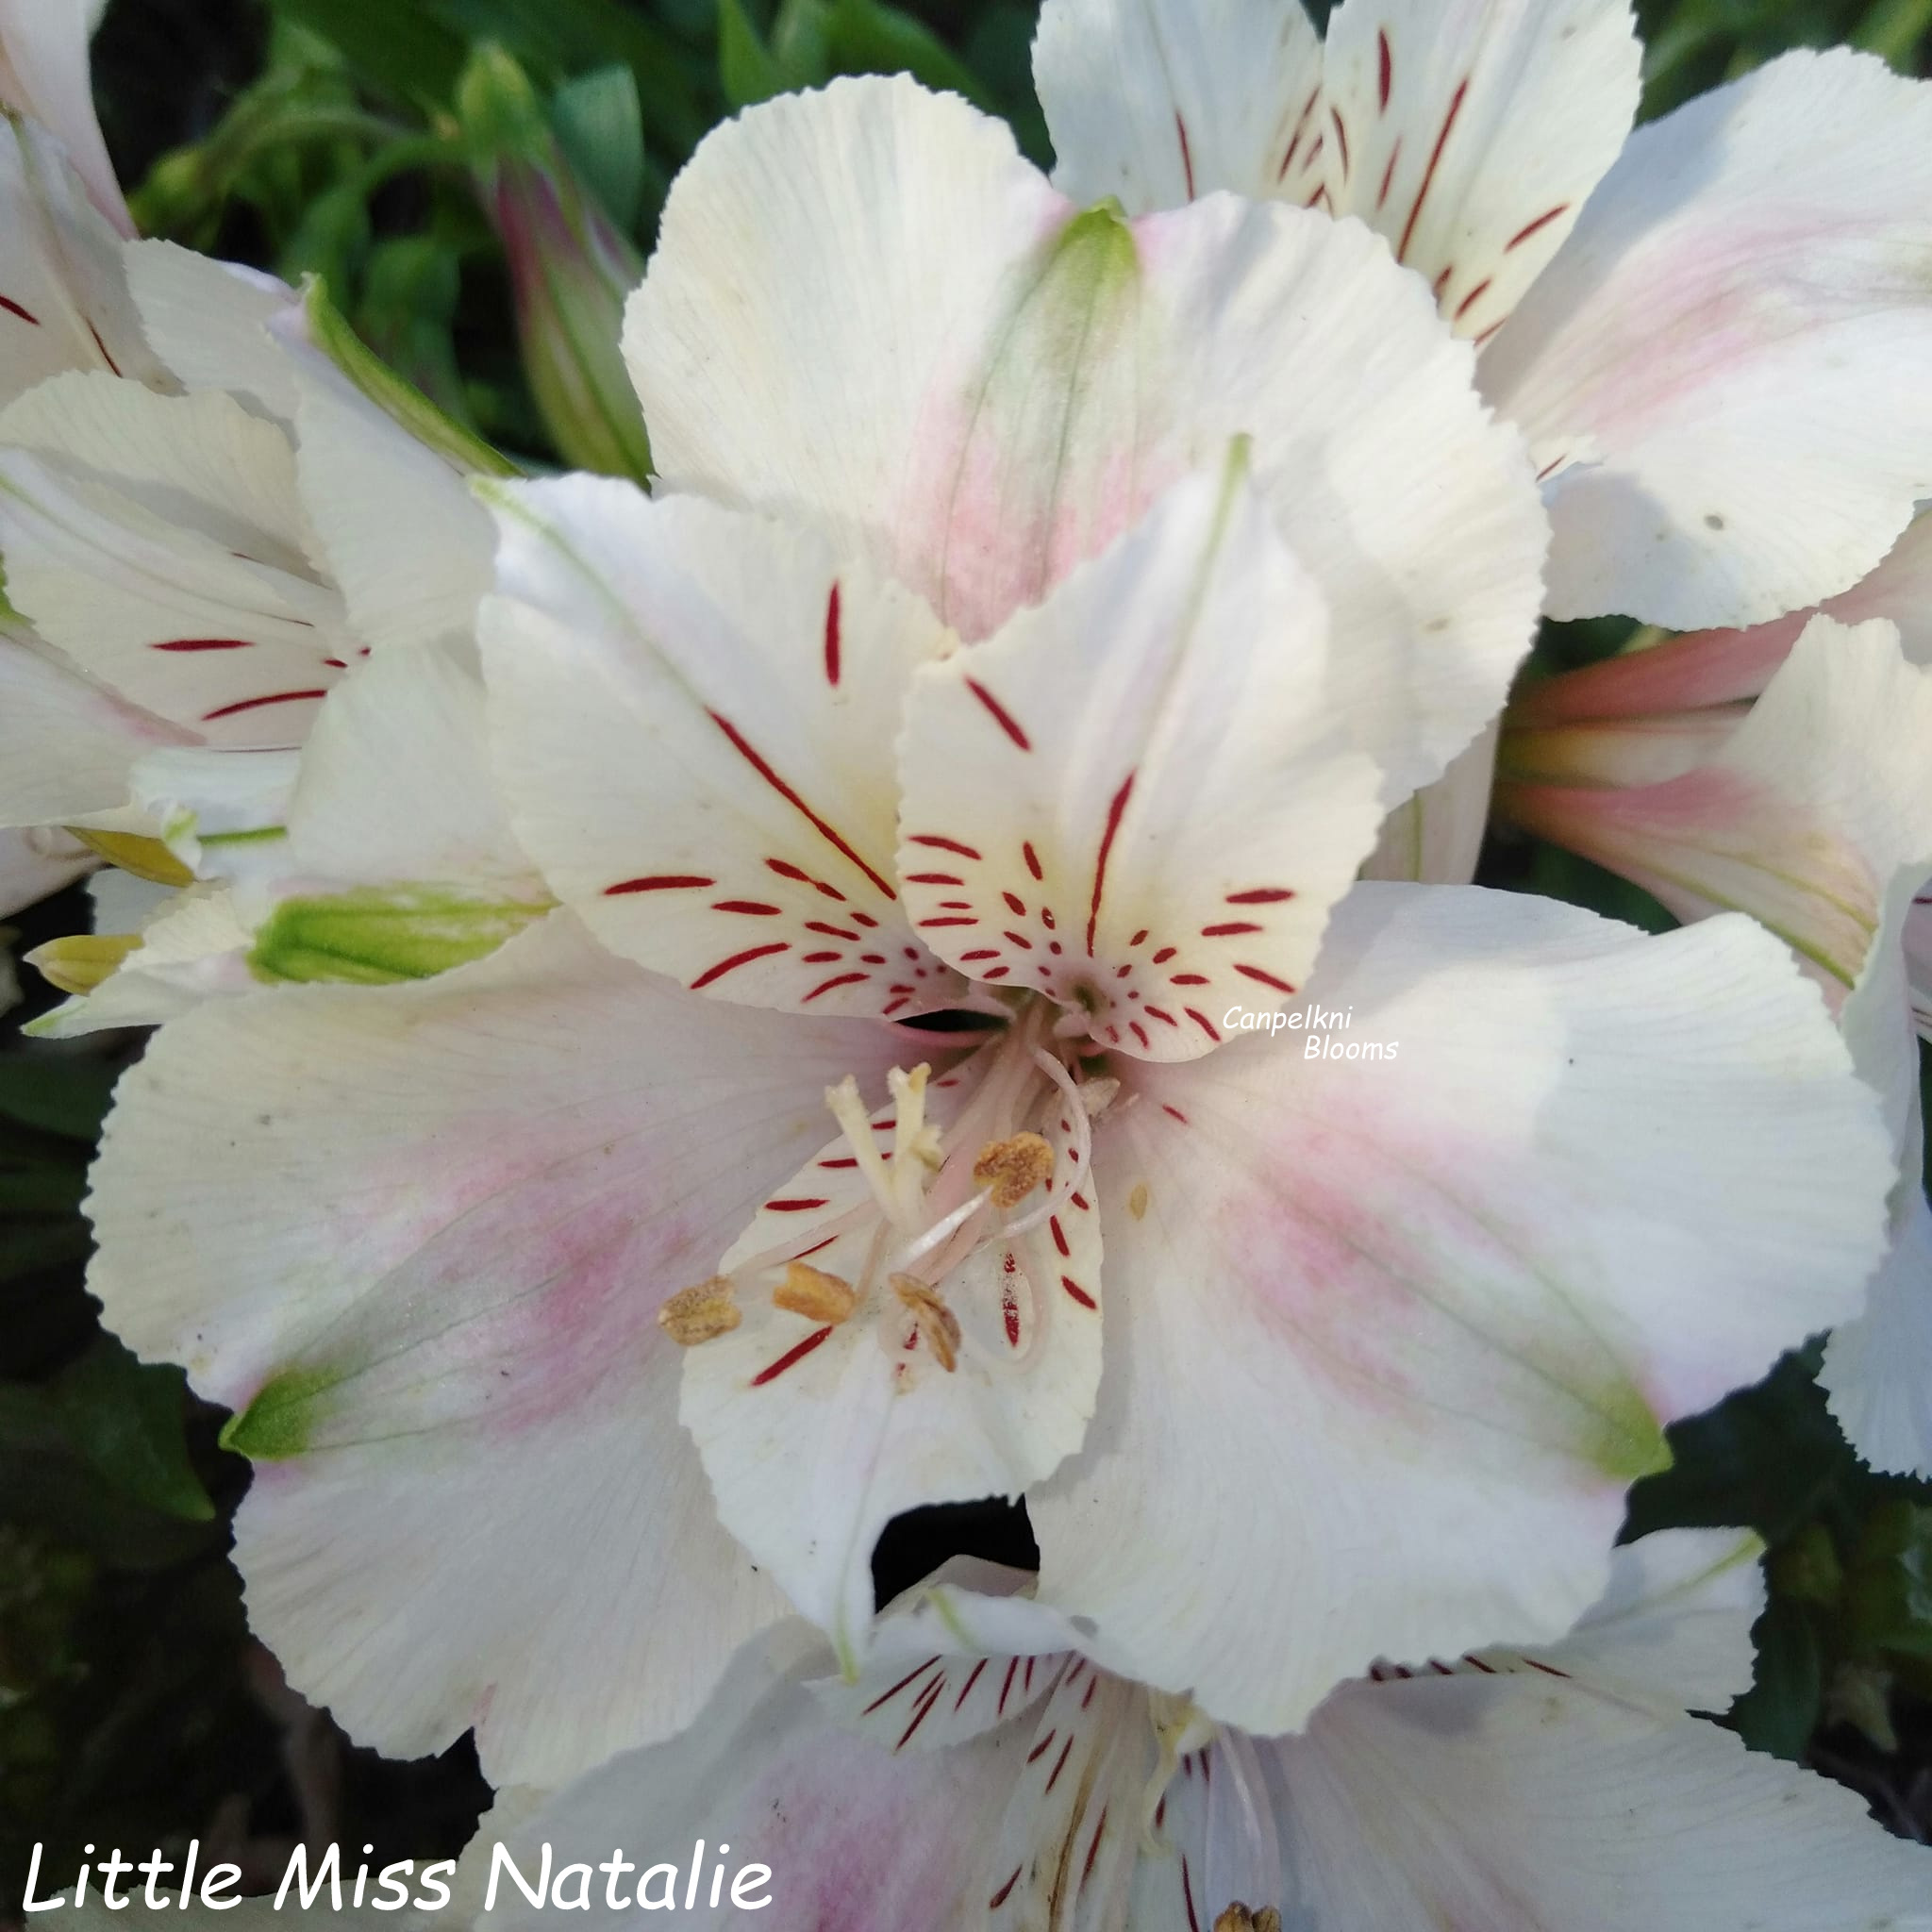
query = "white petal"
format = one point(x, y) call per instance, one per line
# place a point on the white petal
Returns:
point(1140, 799)
point(1455, 1296)
point(1527, 1801)
point(45, 76)
point(1029, 380)
point(1740, 327)
point(1878, 1368)
point(395, 523)
point(695, 711)
point(32, 867)
point(208, 322)
point(816, 1434)
point(1470, 134)
point(418, 1236)
point(63, 302)
point(1156, 101)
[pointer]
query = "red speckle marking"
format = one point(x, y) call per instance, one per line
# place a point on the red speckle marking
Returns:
point(820, 959)
point(953, 921)
point(1114, 811)
point(927, 1699)
point(1180, 127)
point(1189, 979)
point(712, 974)
point(1000, 1897)
point(1165, 954)
point(794, 1206)
point(1093, 1850)
point(997, 973)
point(1001, 716)
point(843, 980)
point(967, 1691)
point(1032, 860)
point(1222, 932)
point(1079, 1294)
point(831, 932)
point(1059, 1764)
point(1455, 101)
point(279, 697)
point(1535, 227)
point(749, 906)
point(208, 644)
point(755, 761)
point(1040, 1749)
point(932, 878)
point(1166, 1019)
point(663, 882)
point(1340, 138)
point(832, 628)
point(13, 308)
point(1474, 295)
point(1012, 1670)
point(1175, 1112)
point(113, 366)
point(1203, 1022)
point(1389, 175)
point(1299, 128)
point(770, 1373)
point(939, 844)
point(982, 952)
point(1475, 1663)
point(1059, 1239)
point(1266, 978)
point(1263, 896)
point(1015, 903)
point(1385, 67)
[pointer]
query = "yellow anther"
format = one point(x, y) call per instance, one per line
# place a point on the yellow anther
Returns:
point(939, 1327)
point(1013, 1167)
point(817, 1297)
point(1238, 1918)
point(79, 964)
point(146, 858)
point(700, 1314)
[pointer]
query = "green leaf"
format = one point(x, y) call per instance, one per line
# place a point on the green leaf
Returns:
point(747, 69)
point(869, 37)
point(1781, 1710)
point(57, 1094)
point(126, 1419)
point(600, 123)
point(395, 45)
point(1889, 1596)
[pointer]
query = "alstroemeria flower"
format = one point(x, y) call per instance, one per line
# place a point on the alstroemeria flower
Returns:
point(984, 1774)
point(1789, 776)
point(43, 77)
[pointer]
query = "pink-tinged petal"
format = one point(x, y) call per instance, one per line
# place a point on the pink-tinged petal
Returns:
point(66, 746)
point(1455, 1293)
point(63, 292)
point(44, 76)
point(817, 1432)
point(1155, 102)
point(1141, 798)
point(34, 865)
point(418, 1237)
point(1031, 379)
point(1804, 817)
point(1735, 336)
point(695, 711)
point(157, 541)
point(858, 1837)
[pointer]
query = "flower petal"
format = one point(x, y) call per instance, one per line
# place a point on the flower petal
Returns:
point(1457, 1294)
point(157, 541)
point(1031, 379)
point(208, 320)
point(45, 76)
point(1155, 102)
point(417, 1237)
point(64, 301)
point(1141, 799)
point(815, 1434)
point(1878, 1368)
point(1472, 134)
point(1740, 329)
point(33, 867)
point(694, 711)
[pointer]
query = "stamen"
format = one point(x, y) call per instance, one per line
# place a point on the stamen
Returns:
point(698, 1314)
point(814, 1294)
point(939, 1327)
point(1013, 1167)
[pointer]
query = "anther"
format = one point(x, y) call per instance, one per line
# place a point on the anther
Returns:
point(814, 1294)
point(1238, 1918)
point(1013, 1167)
point(700, 1314)
point(939, 1327)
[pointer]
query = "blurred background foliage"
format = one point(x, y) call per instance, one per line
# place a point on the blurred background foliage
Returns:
point(377, 143)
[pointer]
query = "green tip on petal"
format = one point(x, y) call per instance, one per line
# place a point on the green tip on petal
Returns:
point(1626, 1441)
point(277, 1423)
point(376, 938)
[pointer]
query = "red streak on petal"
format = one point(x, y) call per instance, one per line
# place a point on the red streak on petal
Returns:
point(15, 309)
point(1341, 137)
point(1470, 300)
point(1203, 1022)
point(1535, 227)
point(1188, 1895)
point(1166, 1017)
point(1032, 860)
point(1000, 1897)
point(832, 629)
point(923, 923)
point(1015, 903)
point(1165, 954)
point(1040, 1749)
point(1059, 1764)
point(1266, 978)
point(794, 1206)
point(1140, 1032)
point(770, 1373)
point(1180, 127)
point(982, 952)
point(1060, 1238)
point(737, 959)
point(1079, 1294)
point(1263, 896)
point(663, 882)
point(755, 761)
point(751, 906)
point(926, 1702)
point(205, 645)
point(997, 973)
point(889, 1695)
point(1189, 979)
point(1175, 1112)
point(1001, 716)
point(1222, 932)
point(1385, 67)
point(113, 366)
point(843, 980)
point(939, 844)
point(1415, 214)
point(1107, 838)
point(279, 697)
point(831, 932)
point(966, 1692)
point(1389, 175)
point(820, 959)
point(1012, 1670)
point(932, 878)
